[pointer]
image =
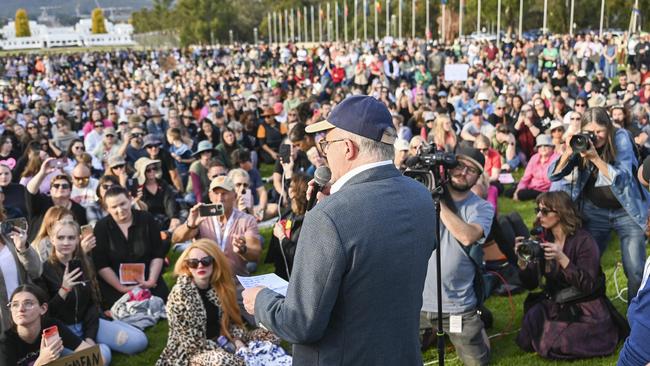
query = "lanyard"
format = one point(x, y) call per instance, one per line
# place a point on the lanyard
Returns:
point(222, 241)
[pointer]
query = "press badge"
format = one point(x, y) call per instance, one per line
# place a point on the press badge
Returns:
point(455, 324)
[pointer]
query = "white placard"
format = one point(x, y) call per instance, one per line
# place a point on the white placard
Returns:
point(456, 72)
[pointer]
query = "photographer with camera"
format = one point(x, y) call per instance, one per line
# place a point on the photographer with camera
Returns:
point(601, 164)
point(466, 224)
point(572, 317)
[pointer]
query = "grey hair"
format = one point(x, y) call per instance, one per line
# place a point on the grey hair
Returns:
point(239, 173)
point(378, 150)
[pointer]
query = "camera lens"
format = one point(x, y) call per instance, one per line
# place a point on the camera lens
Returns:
point(579, 143)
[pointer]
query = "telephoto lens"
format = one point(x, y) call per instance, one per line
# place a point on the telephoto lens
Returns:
point(580, 142)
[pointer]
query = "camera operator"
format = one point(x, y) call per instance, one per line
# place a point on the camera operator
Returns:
point(464, 225)
point(559, 323)
point(604, 183)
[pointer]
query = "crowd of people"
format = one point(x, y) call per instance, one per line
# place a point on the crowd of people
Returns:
point(116, 158)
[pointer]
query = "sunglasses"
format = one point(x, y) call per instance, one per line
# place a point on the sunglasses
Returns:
point(152, 169)
point(120, 166)
point(79, 147)
point(245, 185)
point(581, 105)
point(106, 187)
point(545, 211)
point(111, 136)
point(136, 135)
point(194, 263)
point(152, 147)
point(61, 186)
point(83, 179)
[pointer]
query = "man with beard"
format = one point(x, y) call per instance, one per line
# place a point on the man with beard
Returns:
point(466, 221)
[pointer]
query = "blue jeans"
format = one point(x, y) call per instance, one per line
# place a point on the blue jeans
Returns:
point(532, 68)
point(117, 336)
point(600, 223)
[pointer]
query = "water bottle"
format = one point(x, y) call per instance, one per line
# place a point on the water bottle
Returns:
point(224, 343)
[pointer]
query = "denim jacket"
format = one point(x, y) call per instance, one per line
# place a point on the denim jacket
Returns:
point(622, 179)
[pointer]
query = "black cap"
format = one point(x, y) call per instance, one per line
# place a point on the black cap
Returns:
point(473, 155)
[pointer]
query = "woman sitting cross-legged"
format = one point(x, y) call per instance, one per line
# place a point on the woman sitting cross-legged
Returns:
point(71, 282)
point(202, 311)
point(572, 317)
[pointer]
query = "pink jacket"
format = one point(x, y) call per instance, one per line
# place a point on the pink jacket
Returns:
point(536, 174)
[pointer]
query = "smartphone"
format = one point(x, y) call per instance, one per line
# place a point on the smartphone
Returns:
point(74, 264)
point(18, 225)
point(285, 153)
point(58, 163)
point(248, 197)
point(211, 210)
point(51, 334)
point(86, 230)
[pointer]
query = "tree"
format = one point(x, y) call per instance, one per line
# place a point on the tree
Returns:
point(22, 24)
point(98, 22)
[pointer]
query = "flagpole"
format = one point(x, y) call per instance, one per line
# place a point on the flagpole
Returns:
point(478, 18)
point(286, 26)
point(327, 22)
point(376, 23)
point(365, 20)
point(499, 24)
point(276, 23)
point(320, 24)
point(313, 34)
point(304, 16)
point(387, 18)
point(298, 25)
point(602, 17)
point(281, 26)
point(413, 19)
point(356, 2)
point(336, 21)
point(521, 18)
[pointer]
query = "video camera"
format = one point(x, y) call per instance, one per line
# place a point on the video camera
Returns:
point(427, 162)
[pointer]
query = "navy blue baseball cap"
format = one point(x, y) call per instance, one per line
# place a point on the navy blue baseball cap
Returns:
point(361, 115)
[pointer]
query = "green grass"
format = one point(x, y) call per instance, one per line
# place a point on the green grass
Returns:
point(504, 349)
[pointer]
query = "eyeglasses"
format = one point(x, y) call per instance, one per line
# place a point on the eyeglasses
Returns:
point(61, 185)
point(324, 144)
point(245, 185)
point(194, 262)
point(106, 187)
point(27, 305)
point(136, 135)
point(78, 147)
point(545, 211)
point(470, 169)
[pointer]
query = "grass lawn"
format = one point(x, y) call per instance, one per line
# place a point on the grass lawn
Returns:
point(504, 349)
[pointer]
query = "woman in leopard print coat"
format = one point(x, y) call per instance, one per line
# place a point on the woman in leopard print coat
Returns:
point(187, 343)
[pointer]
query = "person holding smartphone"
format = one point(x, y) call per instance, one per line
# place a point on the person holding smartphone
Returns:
point(234, 231)
point(74, 298)
point(25, 344)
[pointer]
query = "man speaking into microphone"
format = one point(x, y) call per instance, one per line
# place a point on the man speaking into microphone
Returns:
point(355, 292)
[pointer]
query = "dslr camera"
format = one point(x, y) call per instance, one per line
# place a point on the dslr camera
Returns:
point(530, 250)
point(421, 167)
point(580, 143)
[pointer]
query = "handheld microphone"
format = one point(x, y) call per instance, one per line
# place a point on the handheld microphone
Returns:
point(322, 176)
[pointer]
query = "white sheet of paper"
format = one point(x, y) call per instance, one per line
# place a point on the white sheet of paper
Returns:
point(455, 324)
point(271, 280)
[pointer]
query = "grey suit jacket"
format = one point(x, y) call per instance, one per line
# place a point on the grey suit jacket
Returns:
point(355, 293)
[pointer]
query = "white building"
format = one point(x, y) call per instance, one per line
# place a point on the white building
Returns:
point(77, 36)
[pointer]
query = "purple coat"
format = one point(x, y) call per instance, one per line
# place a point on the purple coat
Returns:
point(592, 331)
